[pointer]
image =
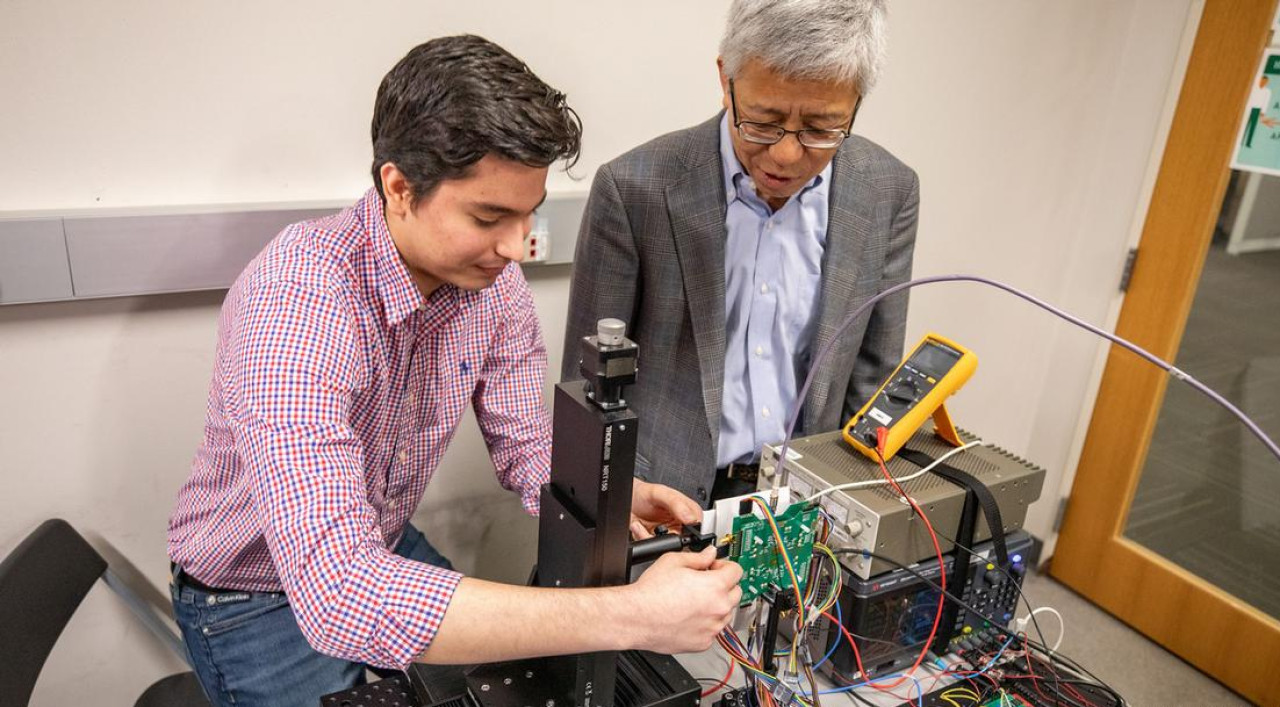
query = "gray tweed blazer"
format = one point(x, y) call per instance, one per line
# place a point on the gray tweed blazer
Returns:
point(651, 253)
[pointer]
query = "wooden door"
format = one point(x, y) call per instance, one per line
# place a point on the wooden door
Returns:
point(1186, 613)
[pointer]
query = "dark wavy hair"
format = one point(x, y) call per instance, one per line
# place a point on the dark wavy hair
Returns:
point(453, 100)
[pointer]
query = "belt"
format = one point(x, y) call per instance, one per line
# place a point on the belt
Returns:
point(747, 473)
point(183, 579)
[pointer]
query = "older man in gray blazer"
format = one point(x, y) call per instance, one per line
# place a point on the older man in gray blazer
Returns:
point(733, 249)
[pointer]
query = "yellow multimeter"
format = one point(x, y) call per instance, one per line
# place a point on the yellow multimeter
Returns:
point(936, 368)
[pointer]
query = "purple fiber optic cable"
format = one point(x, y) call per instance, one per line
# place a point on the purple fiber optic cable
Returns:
point(1154, 360)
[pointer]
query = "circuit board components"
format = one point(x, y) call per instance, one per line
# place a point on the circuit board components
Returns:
point(754, 547)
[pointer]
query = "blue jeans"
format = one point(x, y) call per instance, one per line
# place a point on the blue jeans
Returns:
point(248, 651)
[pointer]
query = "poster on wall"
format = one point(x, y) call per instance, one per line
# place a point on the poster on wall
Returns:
point(1258, 144)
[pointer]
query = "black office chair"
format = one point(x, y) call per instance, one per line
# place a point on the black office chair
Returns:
point(42, 583)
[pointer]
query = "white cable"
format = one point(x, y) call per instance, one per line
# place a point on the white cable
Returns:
point(900, 479)
point(1021, 625)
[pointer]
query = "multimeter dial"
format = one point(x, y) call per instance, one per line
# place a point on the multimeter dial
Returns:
point(903, 392)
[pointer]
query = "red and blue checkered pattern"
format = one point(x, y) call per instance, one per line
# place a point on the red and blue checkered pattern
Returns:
point(336, 388)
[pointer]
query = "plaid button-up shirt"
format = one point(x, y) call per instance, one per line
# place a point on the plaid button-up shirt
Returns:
point(336, 388)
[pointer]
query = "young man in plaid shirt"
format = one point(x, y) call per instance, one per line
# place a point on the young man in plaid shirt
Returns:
point(347, 352)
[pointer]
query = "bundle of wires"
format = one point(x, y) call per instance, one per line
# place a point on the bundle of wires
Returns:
point(770, 688)
point(817, 600)
point(1054, 678)
point(765, 686)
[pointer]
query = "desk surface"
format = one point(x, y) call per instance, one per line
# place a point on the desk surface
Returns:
point(396, 691)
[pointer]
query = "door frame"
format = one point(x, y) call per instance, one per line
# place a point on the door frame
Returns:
point(1226, 638)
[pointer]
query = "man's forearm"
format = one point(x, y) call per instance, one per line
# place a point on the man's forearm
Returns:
point(488, 622)
point(677, 606)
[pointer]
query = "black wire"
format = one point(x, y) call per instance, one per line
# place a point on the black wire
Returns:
point(1041, 646)
point(1017, 585)
point(994, 623)
point(1031, 611)
point(1086, 683)
point(895, 644)
point(992, 620)
point(860, 698)
point(1058, 696)
point(1074, 666)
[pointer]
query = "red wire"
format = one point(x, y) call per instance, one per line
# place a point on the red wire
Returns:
point(1035, 682)
point(882, 435)
point(857, 656)
point(723, 681)
point(1035, 679)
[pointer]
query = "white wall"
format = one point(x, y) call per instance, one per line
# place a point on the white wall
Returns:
point(1032, 126)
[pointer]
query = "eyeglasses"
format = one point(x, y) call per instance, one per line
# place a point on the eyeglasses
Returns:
point(771, 133)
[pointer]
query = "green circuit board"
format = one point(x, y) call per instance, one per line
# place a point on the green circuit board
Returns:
point(755, 548)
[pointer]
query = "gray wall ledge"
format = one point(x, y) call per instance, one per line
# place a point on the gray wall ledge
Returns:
point(92, 253)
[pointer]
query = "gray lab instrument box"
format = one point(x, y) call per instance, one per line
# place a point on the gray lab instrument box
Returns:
point(877, 518)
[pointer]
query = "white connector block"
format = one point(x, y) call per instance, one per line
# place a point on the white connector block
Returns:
point(537, 246)
point(720, 517)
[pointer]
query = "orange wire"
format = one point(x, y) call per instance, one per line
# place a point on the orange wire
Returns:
point(786, 559)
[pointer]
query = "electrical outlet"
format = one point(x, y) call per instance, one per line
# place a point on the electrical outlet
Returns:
point(537, 245)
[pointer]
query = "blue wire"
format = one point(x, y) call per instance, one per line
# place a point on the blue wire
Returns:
point(991, 662)
point(848, 688)
point(835, 643)
point(919, 691)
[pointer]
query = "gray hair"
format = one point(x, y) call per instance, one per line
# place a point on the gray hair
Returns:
point(842, 40)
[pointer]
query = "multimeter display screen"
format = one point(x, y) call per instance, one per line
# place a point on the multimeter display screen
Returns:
point(934, 360)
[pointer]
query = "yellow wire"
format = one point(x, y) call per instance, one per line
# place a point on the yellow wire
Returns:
point(750, 666)
point(837, 583)
point(786, 558)
point(969, 695)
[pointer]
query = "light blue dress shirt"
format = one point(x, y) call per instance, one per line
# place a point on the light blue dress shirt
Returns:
point(773, 278)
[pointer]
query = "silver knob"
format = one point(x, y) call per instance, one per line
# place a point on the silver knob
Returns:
point(609, 332)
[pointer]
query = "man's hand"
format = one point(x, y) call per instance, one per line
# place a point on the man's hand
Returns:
point(654, 504)
point(683, 600)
